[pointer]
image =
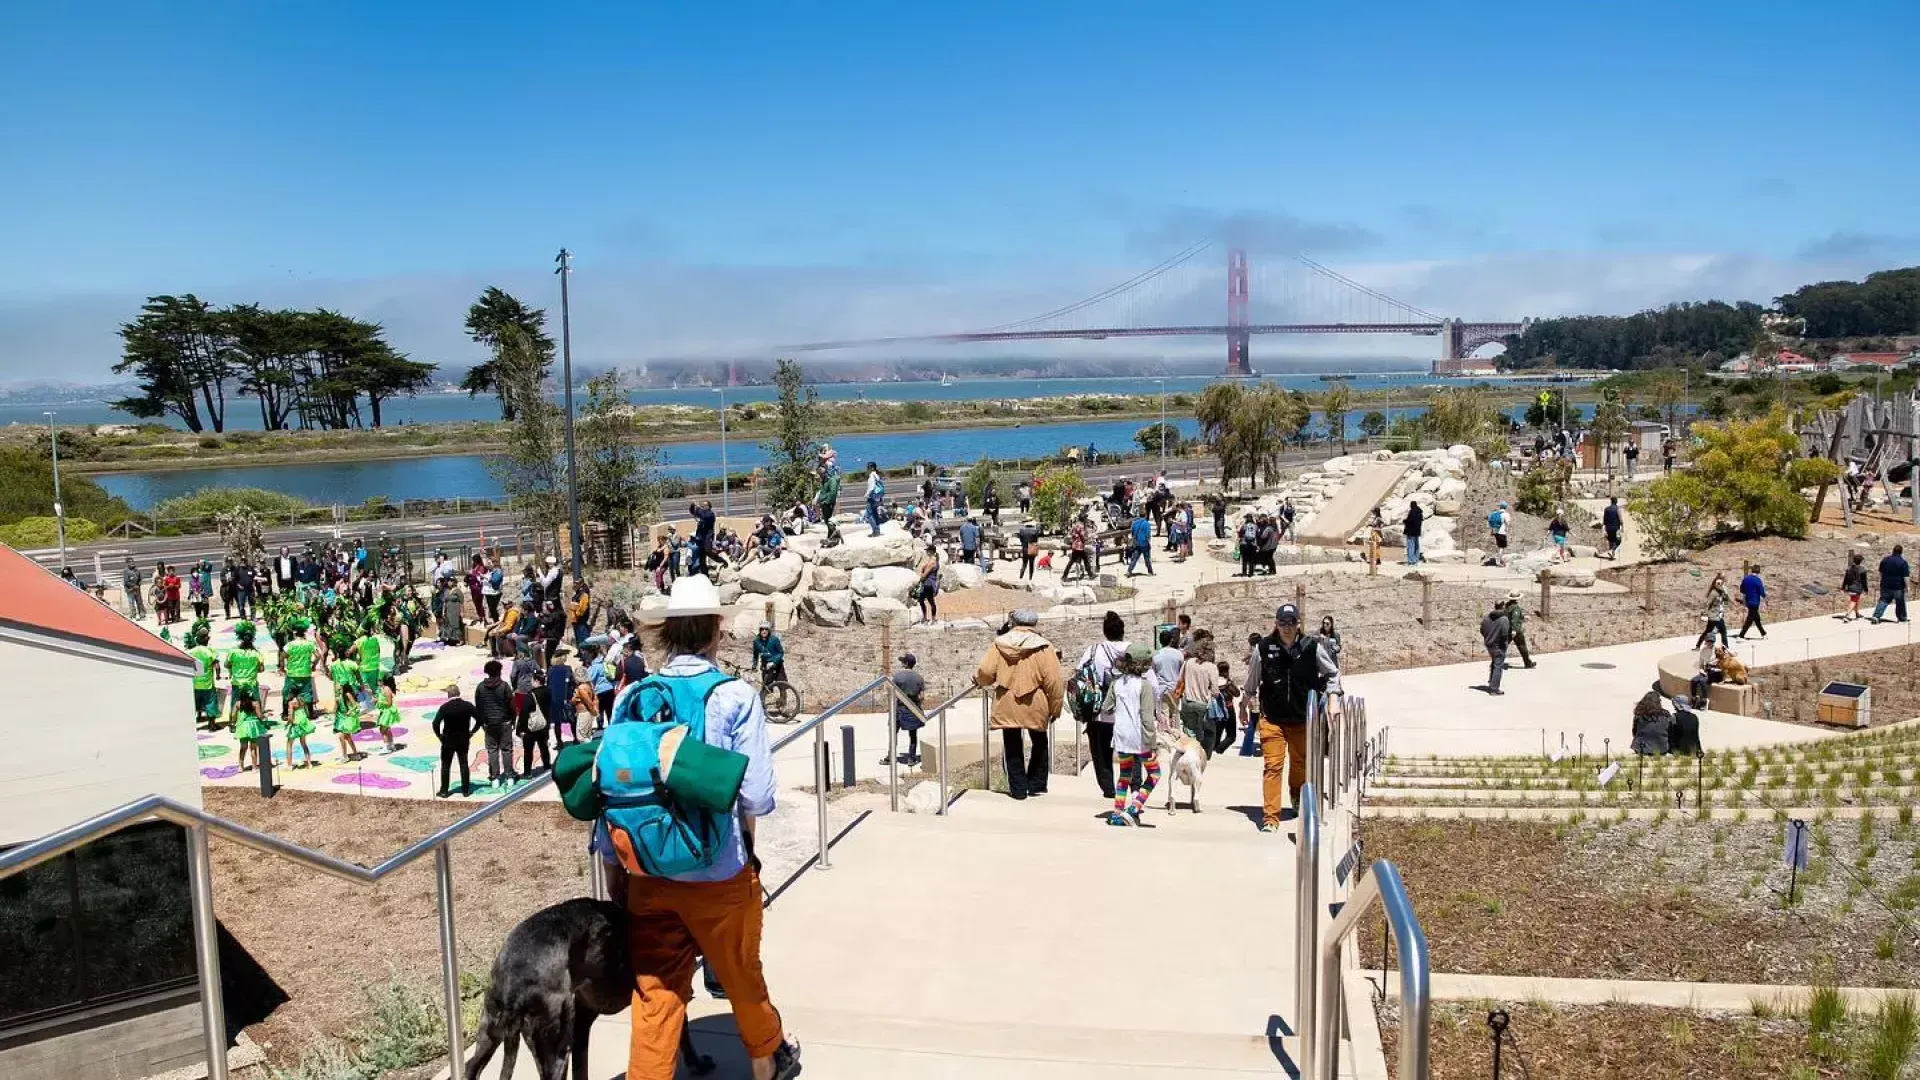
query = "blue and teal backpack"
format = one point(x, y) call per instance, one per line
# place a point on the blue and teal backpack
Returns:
point(665, 822)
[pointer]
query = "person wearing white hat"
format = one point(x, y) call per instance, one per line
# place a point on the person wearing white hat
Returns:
point(714, 912)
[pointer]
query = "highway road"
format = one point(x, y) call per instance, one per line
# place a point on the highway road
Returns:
point(454, 531)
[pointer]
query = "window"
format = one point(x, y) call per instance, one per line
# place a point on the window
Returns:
point(110, 921)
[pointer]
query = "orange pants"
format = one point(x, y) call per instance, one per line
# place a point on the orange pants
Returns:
point(1283, 751)
point(671, 921)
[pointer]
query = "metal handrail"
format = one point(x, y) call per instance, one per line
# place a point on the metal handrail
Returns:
point(938, 712)
point(1381, 884)
point(1307, 921)
point(199, 824)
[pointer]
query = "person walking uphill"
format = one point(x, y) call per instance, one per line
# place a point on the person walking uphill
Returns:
point(1288, 666)
point(1753, 591)
point(1496, 633)
point(1517, 626)
point(1894, 572)
point(711, 905)
point(1022, 674)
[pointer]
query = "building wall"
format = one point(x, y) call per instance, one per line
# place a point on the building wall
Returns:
point(90, 734)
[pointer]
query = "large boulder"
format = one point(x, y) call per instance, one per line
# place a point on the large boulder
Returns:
point(887, 549)
point(882, 611)
point(830, 608)
point(830, 579)
point(959, 576)
point(776, 575)
point(1342, 467)
point(1571, 577)
point(807, 544)
point(1068, 594)
point(730, 592)
point(1461, 453)
point(892, 582)
point(1450, 496)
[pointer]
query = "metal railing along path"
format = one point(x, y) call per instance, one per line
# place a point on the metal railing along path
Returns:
point(200, 824)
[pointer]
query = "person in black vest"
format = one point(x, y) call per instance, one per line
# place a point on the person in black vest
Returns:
point(1289, 665)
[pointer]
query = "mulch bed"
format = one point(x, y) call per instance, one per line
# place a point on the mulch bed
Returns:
point(1610, 1042)
point(1794, 689)
point(1684, 901)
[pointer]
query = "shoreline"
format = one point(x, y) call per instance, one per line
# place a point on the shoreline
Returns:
point(182, 451)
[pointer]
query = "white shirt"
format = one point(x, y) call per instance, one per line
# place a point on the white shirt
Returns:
point(1102, 654)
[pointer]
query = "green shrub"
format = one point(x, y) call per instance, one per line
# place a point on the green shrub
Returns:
point(210, 442)
point(44, 532)
point(1543, 487)
point(1056, 492)
point(26, 490)
point(207, 502)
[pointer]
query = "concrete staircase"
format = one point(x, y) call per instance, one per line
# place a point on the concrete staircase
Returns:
point(1031, 940)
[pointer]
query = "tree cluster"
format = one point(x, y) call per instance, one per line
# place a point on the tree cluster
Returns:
point(1248, 426)
point(310, 369)
point(1665, 337)
point(1747, 476)
point(1887, 303)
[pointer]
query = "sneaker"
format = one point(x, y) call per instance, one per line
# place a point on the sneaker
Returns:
point(1268, 826)
point(786, 1060)
point(1118, 818)
point(888, 760)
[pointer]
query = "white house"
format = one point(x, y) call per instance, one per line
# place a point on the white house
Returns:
point(97, 970)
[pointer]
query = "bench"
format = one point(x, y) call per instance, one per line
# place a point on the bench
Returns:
point(1676, 680)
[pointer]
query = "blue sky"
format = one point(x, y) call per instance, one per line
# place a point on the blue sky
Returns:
point(731, 176)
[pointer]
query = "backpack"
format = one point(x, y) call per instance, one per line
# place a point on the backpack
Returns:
point(657, 826)
point(1087, 689)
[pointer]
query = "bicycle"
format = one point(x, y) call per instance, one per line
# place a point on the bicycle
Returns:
point(779, 697)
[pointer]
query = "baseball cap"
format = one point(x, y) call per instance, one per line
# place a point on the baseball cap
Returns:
point(1287, 613)
point(909, 659)
point(1139, 653)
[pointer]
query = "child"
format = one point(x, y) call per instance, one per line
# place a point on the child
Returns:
point(388, 716)
point(247, 726)
point(297, 661)
point(299, 718)
point(369, 649)
point(1225, 710)
point(1134, 698)
point(346, 704)
point(244, 664)
point(206, 699)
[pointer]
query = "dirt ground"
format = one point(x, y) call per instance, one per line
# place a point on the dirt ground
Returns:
point(530, 856)
point(1690, 901)
point(1610, 1042)
point(1794, 689)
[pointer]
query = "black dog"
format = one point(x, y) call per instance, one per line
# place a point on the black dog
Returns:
point(561, 969)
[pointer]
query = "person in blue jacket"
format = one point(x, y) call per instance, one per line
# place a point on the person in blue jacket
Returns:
point(1142, 543)
point(1754, 592)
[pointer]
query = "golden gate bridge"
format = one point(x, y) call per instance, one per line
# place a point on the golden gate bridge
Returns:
point(1298, 296)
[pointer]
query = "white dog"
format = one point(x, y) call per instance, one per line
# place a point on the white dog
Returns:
point(1184, 759)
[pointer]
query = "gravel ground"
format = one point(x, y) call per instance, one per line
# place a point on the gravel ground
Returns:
point(1667, 901)
point(1794, 689)
point(1610, 1042)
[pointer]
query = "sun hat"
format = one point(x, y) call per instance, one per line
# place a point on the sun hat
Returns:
point(1139, 653)
point(694, 594)
point(1514, 594)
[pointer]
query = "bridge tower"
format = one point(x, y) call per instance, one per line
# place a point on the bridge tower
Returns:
point(1239, 362)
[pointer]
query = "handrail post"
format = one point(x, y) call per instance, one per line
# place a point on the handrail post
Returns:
point(1307, 925)
point(893, 698)
point(943, 762)
point(206, 946)
point(450, 958)
point(986, 743)
point(1316, 744)
point(820, 789)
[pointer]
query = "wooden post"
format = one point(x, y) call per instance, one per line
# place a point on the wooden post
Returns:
point(1300, 598)
point(1646, 591)
point(1833, 455)
point(1426, 602)
point(1546, 595)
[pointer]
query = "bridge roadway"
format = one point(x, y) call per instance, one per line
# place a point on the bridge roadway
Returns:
point(456, 530)
point(1031, 941)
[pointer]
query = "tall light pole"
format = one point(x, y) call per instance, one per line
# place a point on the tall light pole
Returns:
point(565, 270)
point(59, 512)
point(1163, 424)
point(726, 500)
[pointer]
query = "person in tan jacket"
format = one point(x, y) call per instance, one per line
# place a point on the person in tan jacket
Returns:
point(1022, 671)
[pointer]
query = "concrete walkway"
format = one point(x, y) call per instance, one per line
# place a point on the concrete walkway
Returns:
point(1031, 940)
point(1590, 692)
